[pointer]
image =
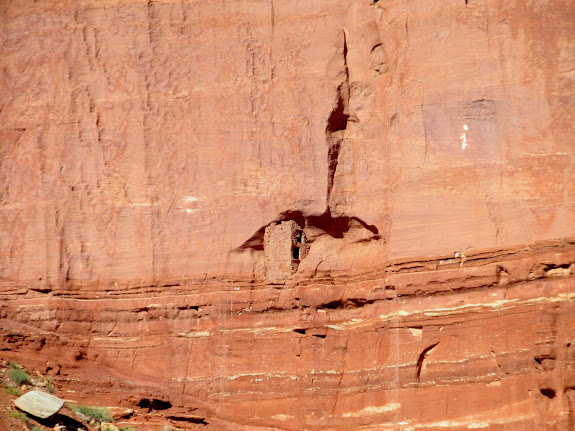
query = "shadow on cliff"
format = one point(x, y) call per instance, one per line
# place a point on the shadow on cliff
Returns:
point(336, 227)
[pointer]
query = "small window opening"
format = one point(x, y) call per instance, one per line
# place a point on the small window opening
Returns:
point(298, 238)
point(296, 253)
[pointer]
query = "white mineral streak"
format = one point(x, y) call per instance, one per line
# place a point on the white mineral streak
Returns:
point(372, 410)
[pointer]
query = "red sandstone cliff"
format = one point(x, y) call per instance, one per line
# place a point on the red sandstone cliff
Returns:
point(425, 149)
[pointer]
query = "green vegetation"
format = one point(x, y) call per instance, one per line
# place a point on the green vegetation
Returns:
point(37, 429)
point(127, 429)
point(19, 415)
point(17, 374)
point(100, 414)
point(49, 388)
point(13, 391)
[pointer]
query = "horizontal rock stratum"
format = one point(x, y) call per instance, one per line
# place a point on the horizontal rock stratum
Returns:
point(422, 153)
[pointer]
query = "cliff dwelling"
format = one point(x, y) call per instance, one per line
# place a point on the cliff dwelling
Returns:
point(285, 245)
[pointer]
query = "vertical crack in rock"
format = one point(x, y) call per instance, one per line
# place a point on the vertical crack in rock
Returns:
point(271, 46)
point(282, 256)
point(570, 395)
point(421, 359)
point(337, 124)
point(273, 22)
point(62, 262)
point(187, 373)
point(148, 62)
point(424, 129)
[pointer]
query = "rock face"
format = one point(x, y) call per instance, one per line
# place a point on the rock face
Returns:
point(425, 149)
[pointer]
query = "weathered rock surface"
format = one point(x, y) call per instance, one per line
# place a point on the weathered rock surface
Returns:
point(39, 404)
point(425, 148)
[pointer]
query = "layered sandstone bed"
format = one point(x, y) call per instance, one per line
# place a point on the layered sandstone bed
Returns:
point(425, 344)
point(425, 150)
